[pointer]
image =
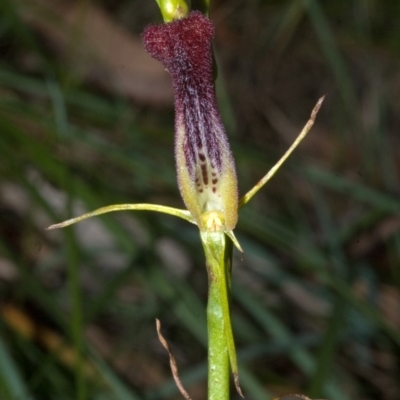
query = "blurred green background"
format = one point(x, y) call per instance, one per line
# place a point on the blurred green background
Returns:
point(86, 120)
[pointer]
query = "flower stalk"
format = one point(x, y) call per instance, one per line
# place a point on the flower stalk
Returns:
point(172, 10)
point(221, 346)
point(205, 172)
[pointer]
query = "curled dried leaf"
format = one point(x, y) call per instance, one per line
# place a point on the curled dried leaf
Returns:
point(172, 362)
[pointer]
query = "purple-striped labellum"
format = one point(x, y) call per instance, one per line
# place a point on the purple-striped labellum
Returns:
point(205, 167)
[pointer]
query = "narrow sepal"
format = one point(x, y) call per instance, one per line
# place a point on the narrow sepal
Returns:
point(307, 127)
point(184, 214)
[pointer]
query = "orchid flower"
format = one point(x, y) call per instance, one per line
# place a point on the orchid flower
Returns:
point(204, 164)
point(205, 169)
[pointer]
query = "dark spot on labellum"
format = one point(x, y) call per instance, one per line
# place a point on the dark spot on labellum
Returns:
point(214, 189)
point(214, 181)
point(202, 157)
point(204, 174)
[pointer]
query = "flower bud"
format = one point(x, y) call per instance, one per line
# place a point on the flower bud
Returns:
point(205, 167)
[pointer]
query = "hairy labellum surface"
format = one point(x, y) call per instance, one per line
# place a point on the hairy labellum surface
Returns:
point(205, 167)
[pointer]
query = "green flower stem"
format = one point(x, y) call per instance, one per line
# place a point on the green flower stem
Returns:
point(172, 10)
point(218, 357)
point(221, 346)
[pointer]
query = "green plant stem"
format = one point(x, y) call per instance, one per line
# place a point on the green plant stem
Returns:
point(76, 315)
point(218, 356)
point(221, 346)
point(76, 304)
